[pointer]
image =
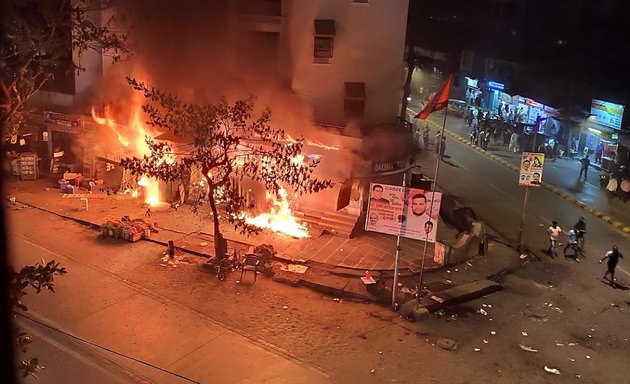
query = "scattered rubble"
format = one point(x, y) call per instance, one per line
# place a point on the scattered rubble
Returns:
point(447, 343)
point(527, 348)
point(552, 370)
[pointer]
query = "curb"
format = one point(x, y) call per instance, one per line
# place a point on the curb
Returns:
point(625, 229)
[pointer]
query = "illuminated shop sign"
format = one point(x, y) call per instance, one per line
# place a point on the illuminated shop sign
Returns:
point(608, 114)
point(496, 85)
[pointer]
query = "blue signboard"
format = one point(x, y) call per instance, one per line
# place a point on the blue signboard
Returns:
point(496, 85)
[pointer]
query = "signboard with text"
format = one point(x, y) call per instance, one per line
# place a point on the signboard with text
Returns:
point(531, 169)
point(608, 114)
point(407, 212)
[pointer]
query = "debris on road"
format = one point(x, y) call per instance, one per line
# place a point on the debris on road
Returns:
point(447, 343)
point(527, 348)
point(524, 334)
point(477, 349)
point(552, 370)
point(482, 312)
point(493, 333)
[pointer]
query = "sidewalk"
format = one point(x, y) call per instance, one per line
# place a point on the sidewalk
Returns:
point(334, 264)
point(560, 176)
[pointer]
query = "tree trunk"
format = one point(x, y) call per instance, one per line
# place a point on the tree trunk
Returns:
point(220, 245)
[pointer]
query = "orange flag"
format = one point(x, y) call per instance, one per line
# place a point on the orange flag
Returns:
point(438, 101)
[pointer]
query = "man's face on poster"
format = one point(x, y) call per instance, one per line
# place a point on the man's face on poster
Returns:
point(377, 192)
point(526, 165)
point(418, 205)
point(373, 218)
point(428, 227)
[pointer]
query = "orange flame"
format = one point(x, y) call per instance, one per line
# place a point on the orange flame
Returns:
point(313, 144)
point(111, 124)
point(138, 131)
point(280, 218)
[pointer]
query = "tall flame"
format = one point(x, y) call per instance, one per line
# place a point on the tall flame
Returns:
point(111, 123)
point(280, 218)
point(137, 130)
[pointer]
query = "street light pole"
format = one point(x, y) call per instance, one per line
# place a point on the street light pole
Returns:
point(397, 259)
point(520, 231)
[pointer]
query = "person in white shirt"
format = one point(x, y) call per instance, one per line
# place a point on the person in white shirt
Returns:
point(554, 232)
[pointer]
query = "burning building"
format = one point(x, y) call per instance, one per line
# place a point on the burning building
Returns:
point(330, 71)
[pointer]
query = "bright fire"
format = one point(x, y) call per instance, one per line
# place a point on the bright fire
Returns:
point(279, 219)
point(137, 130)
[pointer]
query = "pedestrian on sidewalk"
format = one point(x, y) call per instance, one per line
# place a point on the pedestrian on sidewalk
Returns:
point(585, 162)
point(554, 232)
point(486, 139)
point(613, 257)
point(513, 146)
point(599, 152)
point(573, 244)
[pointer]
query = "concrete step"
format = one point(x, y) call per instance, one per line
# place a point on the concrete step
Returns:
point(339, 224)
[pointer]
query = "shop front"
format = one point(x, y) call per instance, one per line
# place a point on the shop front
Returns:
point(600, 134)
point(600, 143)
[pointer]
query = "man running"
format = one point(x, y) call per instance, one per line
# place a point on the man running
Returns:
point(573, 244)
point(554, 232)
point(613, 257)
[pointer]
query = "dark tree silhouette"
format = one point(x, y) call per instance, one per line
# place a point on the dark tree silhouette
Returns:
point(228, 143)
point(42, 38)
point(36, 277)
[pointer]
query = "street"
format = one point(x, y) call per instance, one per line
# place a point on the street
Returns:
point(181, 319)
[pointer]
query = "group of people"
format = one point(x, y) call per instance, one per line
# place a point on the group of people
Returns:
point(576, 245)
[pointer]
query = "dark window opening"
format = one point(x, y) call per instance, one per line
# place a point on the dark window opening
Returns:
point(354, 101)
point(324, 40)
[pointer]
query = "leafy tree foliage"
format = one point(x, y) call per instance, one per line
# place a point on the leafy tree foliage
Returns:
point(38, 277)
point(228, 144)
point(39, 38)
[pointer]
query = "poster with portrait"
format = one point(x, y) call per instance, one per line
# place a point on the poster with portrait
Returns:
point(408, 212)
point(531, 169)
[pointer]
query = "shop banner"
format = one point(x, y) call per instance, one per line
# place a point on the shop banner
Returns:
point(608, 114)
point(396, 210)
point(531, 171)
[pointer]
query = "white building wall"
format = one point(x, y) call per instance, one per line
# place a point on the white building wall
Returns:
point(368, 48)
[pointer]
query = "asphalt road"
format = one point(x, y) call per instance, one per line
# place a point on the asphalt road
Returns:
point(134, 333)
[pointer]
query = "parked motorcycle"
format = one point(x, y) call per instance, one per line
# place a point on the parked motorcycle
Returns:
point(222, 266)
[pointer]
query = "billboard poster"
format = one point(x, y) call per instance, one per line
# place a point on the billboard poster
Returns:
point(409, 212)
point(608, 114)
point(531, 170)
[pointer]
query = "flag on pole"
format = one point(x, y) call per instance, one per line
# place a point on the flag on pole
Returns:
point(439, 101)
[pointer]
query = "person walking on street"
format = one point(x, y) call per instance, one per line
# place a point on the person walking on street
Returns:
point(580, 228)
point(442, 146)
point(425, 136)
point(554, 232)
point(613, 257)
point(573, 244)
point(585, 162)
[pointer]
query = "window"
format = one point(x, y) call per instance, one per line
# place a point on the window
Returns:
point(354, 101)
point(324, 40)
